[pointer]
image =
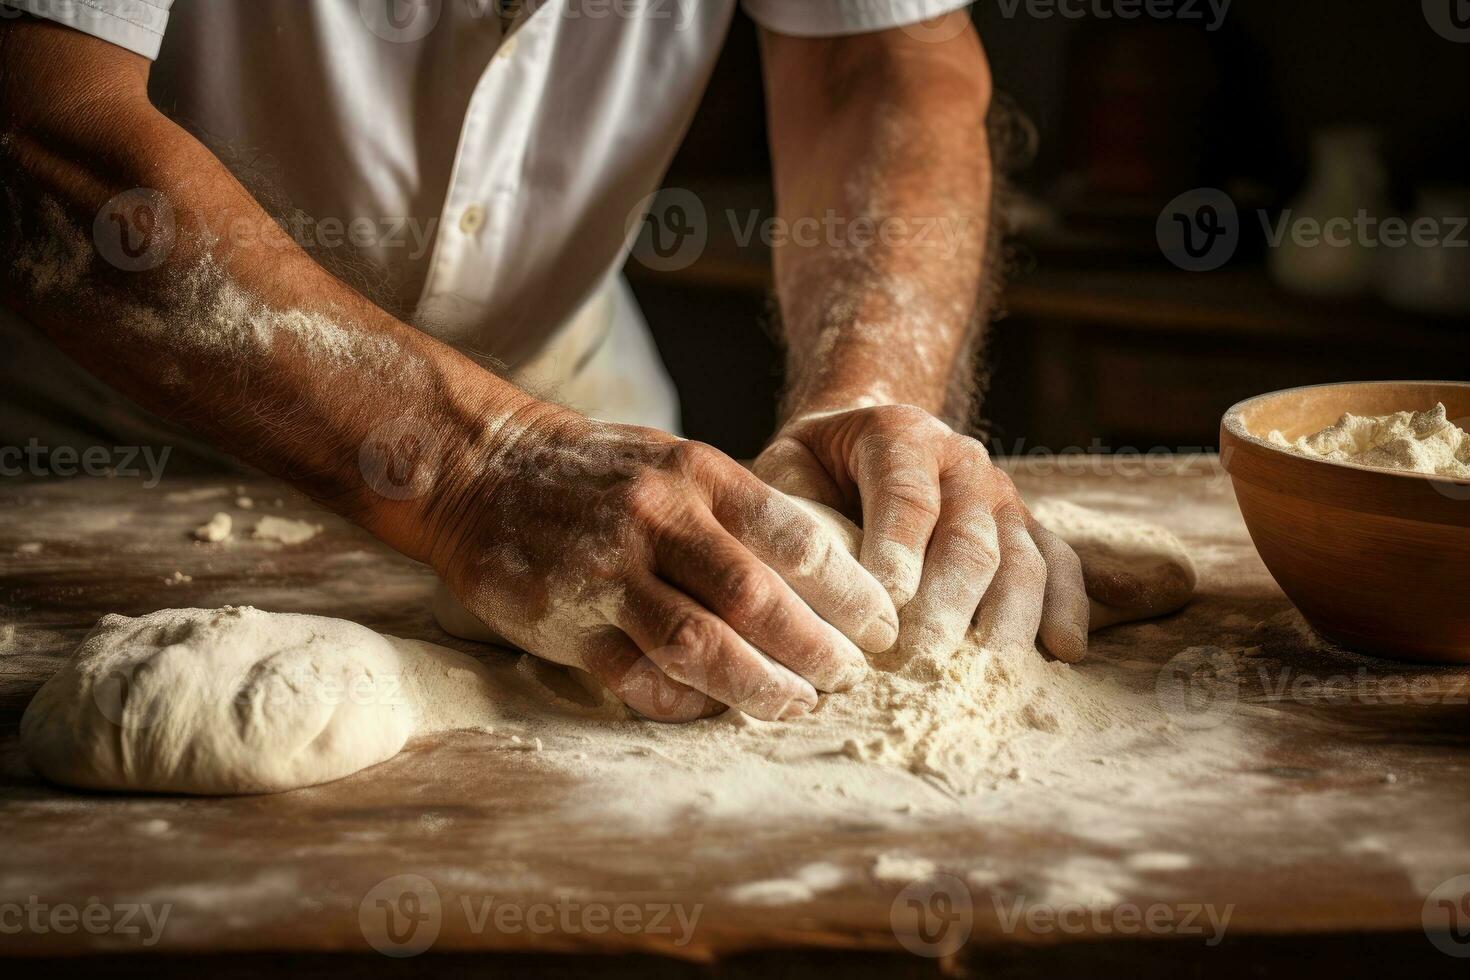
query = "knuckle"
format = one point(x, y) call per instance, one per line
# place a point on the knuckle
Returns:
point(644, 498)
point(911, 418)
point(973, 449)
point(1029, 563)
point(969, 453)
point(1059, 554)
point(694, 632)
point(913, 494)
point(975, 537)
point(744, 593)
point(695, 458)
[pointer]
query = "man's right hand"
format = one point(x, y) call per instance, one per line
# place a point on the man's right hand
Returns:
point(661, 566)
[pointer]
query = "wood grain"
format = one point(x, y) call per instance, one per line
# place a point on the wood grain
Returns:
point(1325, 846)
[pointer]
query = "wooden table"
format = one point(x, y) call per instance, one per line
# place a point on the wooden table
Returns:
point(1354, 810)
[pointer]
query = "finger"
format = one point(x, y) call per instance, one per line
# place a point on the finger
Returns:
point(710, 565)
point(637, 681)
point(1011, 612)
point(962, 561)
point(694, 647)
point(1065, 610)
point(901, 498)
point(812, 560)
point(790, 466)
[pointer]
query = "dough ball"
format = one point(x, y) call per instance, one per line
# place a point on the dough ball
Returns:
point(1132, 569)
point(230, 700)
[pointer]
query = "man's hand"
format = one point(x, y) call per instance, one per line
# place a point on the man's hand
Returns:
point(892, 322)
point(660, 566)
point(944, 530)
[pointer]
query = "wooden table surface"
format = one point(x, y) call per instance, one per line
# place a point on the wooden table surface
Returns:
point(1352, 809)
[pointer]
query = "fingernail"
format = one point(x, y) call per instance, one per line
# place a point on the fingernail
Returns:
point(878, 635)
point(1079, 643)
point(795, 709)
point(853, 674)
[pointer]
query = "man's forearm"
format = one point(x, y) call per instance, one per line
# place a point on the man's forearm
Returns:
point(236, 332)
point(886, 153)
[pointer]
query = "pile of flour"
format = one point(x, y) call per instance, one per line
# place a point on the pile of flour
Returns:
point(961, 722)
point(1416, 442)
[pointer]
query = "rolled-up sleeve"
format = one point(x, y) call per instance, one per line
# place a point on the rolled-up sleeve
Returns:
point(137, 25)
point(832, 18)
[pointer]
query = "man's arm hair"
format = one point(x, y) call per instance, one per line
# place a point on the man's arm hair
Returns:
point(138, 253)
point(881, 139)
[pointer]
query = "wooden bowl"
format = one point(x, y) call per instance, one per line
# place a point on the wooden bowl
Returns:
point(1376, 560)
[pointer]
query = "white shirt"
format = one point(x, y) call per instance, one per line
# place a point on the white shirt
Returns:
point(497, 173)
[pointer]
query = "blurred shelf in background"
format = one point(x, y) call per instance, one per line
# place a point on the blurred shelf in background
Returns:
point(1103, 354)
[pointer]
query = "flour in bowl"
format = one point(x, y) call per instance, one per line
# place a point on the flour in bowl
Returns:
point(1416, 442)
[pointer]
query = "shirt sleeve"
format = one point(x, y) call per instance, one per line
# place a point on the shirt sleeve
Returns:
point(137, 25)
point(833, 18)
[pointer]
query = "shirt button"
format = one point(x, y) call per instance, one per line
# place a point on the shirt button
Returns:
point(472, 220)
point(507, 49)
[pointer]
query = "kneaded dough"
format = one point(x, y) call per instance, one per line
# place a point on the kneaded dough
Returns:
point(236, 700)
point(1132, 569)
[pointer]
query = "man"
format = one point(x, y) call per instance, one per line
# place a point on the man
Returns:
point(680, 580)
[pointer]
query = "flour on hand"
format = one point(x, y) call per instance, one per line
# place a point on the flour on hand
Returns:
point(959, 719)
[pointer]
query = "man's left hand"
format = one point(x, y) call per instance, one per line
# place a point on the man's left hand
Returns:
point(945, 530)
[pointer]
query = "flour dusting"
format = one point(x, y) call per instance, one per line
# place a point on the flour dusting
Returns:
point(1415, 442)
point(284, 530)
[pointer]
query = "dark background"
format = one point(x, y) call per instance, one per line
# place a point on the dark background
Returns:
point(1103, 343)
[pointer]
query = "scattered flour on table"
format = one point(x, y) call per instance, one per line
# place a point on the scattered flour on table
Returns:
point(901, 867)
point(285, 530)
point(1416, 442)
point(1159, 861)
point(195, 496)
point(807, 883)
point(214, 530)
point(923, 739)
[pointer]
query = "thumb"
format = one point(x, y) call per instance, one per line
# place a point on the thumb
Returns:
point(790, 466)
